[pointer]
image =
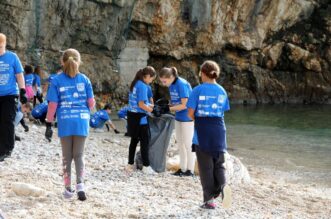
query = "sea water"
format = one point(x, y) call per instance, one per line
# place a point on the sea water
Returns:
point(290, 138)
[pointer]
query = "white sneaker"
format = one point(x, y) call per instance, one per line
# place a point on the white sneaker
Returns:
point(148, 170)
point(99, 130)
point(226, 196)
point(129, 168)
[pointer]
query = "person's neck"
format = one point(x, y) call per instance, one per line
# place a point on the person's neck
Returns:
point(210, 81)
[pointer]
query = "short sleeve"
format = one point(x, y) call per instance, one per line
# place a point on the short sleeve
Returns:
point(149, 92)
point(89, 89)
point(52, 94)
point(193, 100)
point(184, 91)
point(18, 68)
point(142, 93)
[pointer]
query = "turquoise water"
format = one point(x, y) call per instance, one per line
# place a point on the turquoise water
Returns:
point(293, 139)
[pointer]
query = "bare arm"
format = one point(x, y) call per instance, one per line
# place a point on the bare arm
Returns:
point(191, 113)
point(143, 106)
point(20, 80)
point(181, 106)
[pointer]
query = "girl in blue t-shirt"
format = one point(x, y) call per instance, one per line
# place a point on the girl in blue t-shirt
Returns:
point(180, 90)
point(139, 106)
point(29, 77)
point(206, 106)
point(70, 95)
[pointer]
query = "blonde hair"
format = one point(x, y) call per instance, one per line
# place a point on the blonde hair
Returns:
point(71, 61)
point(3, 38)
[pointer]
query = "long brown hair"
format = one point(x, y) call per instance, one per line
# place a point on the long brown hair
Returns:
point(148, 70)
point(71, 61)
point(211, 69)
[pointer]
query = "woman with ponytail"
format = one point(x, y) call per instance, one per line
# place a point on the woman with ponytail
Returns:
point(70, 96)
point(180, 90)
point(206, 106)
point(139, 106)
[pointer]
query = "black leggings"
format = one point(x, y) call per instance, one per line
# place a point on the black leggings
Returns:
point(8, 108)
point(143, 137)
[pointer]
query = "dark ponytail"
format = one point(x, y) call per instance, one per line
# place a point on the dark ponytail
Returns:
point(211, 69)
point(149, 70)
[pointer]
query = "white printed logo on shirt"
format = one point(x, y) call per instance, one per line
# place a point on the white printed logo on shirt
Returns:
point(75, 95)
point(84, 116)
point(202, 97)
point(221, 98)
point(4, 79)
point(214, 106)
point(62, 89)
point(80, 87)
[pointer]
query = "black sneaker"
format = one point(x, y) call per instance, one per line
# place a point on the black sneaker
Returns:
point(17, 138)
point(178, 173)
point(81, 196)
point(26, 128)
point(188, 173)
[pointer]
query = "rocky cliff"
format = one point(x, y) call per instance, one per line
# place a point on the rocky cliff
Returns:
point(269, 51)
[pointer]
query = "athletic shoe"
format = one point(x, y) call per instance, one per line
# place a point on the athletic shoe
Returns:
point(80, 192)
point(209, 204)
point(129, 168)
point(148, 170)
point(99, 130)
point(188, 173)
point(17, 138)
point(178, 173)
point(226, 196)
point(26, 128)
point(68, 193)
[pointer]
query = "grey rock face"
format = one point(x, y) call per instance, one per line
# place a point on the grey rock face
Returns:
point(269, 51)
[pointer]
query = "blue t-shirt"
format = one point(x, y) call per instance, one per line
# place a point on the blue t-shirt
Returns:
point(178, 90)
point(149, 92)
point(36, 80)
point(10, 65)
point(139, 93)
point(51, 77)
point(40, 110)
point(99, 118)
point(122, 113)
point(209, 100)
point(71, 94)
point(28, 79)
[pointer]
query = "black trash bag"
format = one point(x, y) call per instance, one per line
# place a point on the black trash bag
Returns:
point(160, 133)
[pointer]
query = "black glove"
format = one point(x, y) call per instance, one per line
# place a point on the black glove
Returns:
point(116, 131)
point(49, 131)
point(23, 98)
point(156, 111)
point(165, 109)
point(194, 147)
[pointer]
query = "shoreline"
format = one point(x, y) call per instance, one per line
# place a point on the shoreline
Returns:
point(112, 193)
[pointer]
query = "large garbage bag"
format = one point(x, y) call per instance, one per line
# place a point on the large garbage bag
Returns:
point(160, 133)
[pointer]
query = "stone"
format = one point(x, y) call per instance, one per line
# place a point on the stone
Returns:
point(24, 189)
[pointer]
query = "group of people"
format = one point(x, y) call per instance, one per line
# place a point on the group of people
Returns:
point(199, 125)
point(199, 114)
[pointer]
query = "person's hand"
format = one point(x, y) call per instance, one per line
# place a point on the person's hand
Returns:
point(23, 98)
point(49, 131)
point(116, 131)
